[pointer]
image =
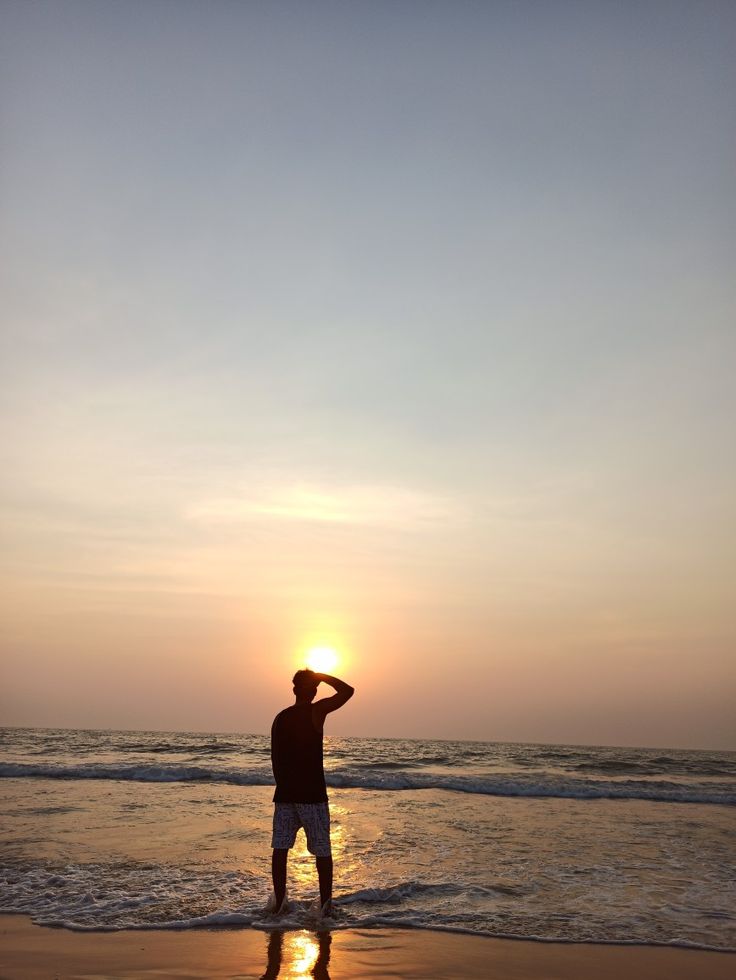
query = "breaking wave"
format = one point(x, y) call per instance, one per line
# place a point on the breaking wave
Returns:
point(519, 785)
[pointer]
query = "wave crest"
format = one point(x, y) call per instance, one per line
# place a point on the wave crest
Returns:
point(520, 785)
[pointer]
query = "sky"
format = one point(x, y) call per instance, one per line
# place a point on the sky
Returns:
point(402, 328)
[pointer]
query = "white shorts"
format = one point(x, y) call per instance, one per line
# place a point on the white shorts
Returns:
point(314, 817)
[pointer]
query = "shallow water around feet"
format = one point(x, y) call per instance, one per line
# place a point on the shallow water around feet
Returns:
point(141, 830)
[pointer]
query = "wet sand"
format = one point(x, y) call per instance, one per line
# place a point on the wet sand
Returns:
point(29, 952)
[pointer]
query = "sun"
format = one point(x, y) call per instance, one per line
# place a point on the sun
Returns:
point(322, 659)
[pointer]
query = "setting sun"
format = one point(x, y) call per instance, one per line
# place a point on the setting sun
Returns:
point(322, 659)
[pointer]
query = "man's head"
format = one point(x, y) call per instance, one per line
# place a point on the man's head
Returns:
point(305, 684)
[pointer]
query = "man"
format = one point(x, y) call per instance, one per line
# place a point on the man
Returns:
point(300, 799)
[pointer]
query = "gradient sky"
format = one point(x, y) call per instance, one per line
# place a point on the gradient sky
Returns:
point(406, 328)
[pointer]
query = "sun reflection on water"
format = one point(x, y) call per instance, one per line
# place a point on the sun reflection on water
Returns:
point(298, 956)
point(304, 952)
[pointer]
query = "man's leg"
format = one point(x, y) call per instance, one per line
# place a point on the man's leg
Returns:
point(278, 873)
point(324, 870)
point(315, 818)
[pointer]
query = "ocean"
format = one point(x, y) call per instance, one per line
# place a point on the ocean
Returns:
point(109, 830)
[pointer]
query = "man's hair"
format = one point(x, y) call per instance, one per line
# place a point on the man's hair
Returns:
point(304, 680)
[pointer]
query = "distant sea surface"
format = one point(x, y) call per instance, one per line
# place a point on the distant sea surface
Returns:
point(130, 830)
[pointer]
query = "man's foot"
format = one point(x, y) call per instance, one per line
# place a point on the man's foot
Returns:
point(320, 910)
point(271, 909)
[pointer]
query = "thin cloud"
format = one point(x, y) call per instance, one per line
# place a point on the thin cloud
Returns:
point(370, 505)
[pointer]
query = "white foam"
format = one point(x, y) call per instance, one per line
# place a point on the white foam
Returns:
point(519, 785)
point(101, 898)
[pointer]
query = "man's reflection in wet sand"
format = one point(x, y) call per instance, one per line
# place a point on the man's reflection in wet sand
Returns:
point(299, 954)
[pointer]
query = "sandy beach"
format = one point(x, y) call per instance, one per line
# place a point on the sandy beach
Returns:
point(32, 953)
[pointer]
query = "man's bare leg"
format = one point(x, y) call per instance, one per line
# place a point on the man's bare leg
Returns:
point(278, 873)
point(324, 870)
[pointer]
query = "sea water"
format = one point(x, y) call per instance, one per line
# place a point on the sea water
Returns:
point(131, 830)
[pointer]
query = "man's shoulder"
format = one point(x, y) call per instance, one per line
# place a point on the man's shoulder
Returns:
point(283, 713)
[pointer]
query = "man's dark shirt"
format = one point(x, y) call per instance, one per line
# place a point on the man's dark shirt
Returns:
point(296, 757)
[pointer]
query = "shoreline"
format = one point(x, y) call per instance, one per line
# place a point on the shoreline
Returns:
point(33, 952)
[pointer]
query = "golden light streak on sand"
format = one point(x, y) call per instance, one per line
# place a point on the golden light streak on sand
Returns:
point(301, 951)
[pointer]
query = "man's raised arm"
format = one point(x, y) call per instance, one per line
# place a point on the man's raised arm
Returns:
point(343, 693)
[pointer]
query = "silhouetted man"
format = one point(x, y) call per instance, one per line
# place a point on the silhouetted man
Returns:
point(300, 799)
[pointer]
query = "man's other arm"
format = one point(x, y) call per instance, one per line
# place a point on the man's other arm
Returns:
point(276, 753)
point(343, 693)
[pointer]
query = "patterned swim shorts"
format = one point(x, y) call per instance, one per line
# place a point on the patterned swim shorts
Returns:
point(314, 817)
